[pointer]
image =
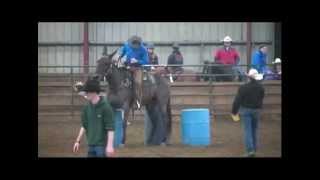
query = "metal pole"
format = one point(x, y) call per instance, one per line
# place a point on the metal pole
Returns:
point(249, 45)
point(277, 39)
point(201, 53)
point(72, 113)
point(210, 97)
point(86, 47)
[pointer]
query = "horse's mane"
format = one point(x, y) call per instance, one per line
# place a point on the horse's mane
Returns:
point(114, 79)
point(119, 75)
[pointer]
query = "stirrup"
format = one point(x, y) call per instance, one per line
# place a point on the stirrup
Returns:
point(171, 79)
point(153, 81)
point(138, 104)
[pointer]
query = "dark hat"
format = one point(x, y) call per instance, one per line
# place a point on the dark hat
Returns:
point(105, 51)
point(92, 85)
point(135, 41)
point(175, 46)
point(150, 46)
point(135, 38)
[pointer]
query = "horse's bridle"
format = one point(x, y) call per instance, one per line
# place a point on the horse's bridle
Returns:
point(109, 70)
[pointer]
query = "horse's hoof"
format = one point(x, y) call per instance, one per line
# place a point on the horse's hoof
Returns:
point(163, 144)
point(121, 145)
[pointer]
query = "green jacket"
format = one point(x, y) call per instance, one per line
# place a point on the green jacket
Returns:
point(97, 120)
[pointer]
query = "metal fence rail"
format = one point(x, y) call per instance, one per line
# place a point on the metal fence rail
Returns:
point(163, 65)
point(210, 81)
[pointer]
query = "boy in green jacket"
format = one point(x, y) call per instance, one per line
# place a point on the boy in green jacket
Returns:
point(97, 122)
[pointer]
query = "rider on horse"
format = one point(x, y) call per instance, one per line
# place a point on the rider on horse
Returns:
point(134, 54)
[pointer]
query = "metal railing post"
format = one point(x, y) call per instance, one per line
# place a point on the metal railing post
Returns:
point(210, 97)
point(71, 71)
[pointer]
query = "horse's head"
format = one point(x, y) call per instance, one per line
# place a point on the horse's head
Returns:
point(104, 66)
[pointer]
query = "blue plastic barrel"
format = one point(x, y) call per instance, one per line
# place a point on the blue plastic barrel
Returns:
point(195, 127)
point(118, 132)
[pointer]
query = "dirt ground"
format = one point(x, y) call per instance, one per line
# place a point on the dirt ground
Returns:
point(56, 136)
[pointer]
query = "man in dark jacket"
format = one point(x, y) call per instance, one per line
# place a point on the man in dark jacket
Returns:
point(249, 100)
point(175, 58)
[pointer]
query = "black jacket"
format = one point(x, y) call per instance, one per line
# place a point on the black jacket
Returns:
point(153, 58)
point(249, 95)
point(175, 58)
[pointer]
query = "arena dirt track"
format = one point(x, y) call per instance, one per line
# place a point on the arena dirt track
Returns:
point(57, 134)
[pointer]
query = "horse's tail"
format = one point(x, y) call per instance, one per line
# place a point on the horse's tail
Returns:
point(169, 125)
point(132, 109)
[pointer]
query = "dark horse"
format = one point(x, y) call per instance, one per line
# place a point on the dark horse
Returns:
point(219, 71)
point(179, 76)
point(156, 98)
point(188, 75)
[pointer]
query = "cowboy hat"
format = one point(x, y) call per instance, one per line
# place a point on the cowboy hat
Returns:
point(227, 39)
point(253, 73)
point(92, 85)
point(277, 61)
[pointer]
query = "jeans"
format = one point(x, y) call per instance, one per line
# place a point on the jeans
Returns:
point(250, 118)
point(238, 73)
point(96, 151)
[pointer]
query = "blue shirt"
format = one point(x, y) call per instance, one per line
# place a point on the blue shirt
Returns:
point(141, 53)
point(259, 61)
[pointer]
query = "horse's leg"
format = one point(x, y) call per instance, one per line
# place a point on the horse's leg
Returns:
point(163, 122)
point(147, 126)
point(166, 119)
point(150, 128)
point(159, 122)
point(169, 122)
point(163, 96)
point(125, 120)
point(156, 119)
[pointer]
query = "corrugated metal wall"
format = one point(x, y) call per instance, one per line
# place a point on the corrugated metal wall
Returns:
point(150, 32)
point(165, 32)
point(60, 55)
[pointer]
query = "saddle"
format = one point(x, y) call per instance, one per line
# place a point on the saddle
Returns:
point(127, 80)
point(149, 77)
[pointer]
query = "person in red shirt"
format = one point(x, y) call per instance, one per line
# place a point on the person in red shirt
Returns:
point(227, 56)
